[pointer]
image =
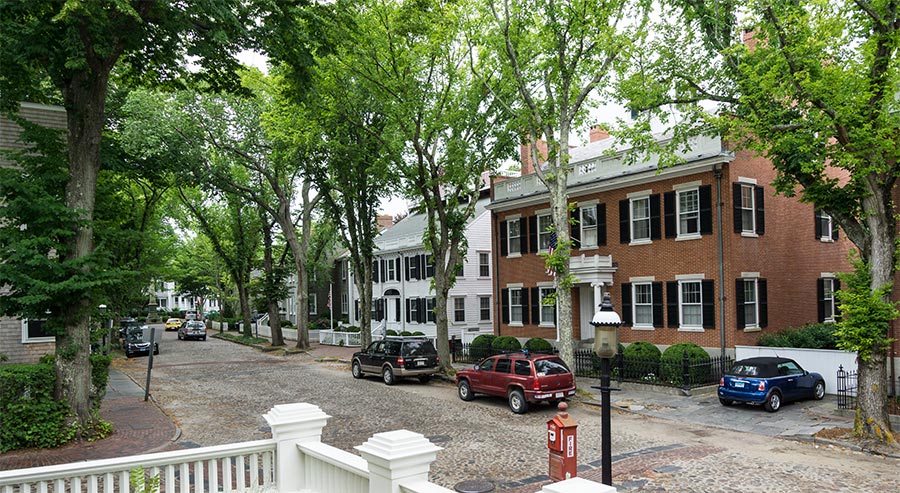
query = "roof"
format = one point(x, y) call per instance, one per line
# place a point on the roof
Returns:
point(414, 225)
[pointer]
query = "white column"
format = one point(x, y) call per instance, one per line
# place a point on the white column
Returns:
point(397, 457)
point(577, 485)
point(598, 295)
point(293, 424)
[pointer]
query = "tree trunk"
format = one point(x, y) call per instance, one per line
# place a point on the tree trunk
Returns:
point(271, 282)
point(363, 284)
point(243, 299)
point(441, 289)
point(560, 212)
point(85, 98)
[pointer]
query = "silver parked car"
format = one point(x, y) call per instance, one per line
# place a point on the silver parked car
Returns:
point(192, 329)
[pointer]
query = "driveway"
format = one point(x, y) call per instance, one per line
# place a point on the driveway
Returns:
point(217, 391)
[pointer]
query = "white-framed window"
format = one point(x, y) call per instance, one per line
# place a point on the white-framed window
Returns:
point(690, 300)
point(751, 303)
point(548, 312)
point(484, 264)
point(413, 269)
point(748, 209)
point(589, 226)
point(642, 299)
point(414, 310)
point(515, 306)
point(514, 236)
point(429, 310)
point(825, 222)
point(345, 303)
point(313, 304)
point(828, 297)
point(391, 270)
point(640, 219)
point(343, 271)
point(459, 309)
point(689, 212)
point(545, 226)
point(484, 308)
point(33, 331)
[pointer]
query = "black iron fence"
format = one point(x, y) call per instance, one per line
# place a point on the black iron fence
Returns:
point(847, 387)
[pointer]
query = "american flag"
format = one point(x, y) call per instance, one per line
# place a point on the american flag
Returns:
point(550, 248)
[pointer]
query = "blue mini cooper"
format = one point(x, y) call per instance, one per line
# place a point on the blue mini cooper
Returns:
point(769, 381)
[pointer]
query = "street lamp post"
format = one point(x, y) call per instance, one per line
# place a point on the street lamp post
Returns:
point(606, 343)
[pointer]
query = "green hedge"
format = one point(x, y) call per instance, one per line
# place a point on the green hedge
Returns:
point(506, 343)
point(641, 360)
point(31, 416)
point(672, 363)
point(481, 346)
point(538, 345)
point(813, 336)
point(390, 332)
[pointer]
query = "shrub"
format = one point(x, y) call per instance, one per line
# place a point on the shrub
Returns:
point(418, 333)
point(672, 364)
point(391, 332)
point(506, 343)
point(31, 416)
point(99, 379)
point(350, 328)
point(538, 345)
point(813, 336)
point(640, 361)
point(406, 333)
point(287, 323)
point(481, 346)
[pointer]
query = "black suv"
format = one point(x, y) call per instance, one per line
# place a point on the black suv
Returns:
point(397, 357)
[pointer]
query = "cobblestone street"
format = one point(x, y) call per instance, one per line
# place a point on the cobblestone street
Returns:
point(217, 391)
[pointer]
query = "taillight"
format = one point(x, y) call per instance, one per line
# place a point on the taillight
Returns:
point(438, 358)
point(722, 382)
point(400, 361)
point(537, 385)
point(762, 386)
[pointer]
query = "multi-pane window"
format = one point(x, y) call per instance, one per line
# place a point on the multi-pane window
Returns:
point(413, 310)
point(459, 309)
point(828, 299)
point(515, 305)
point(688, 212)
point(548, 312)
point(33, 330)
point(544, 231)
point(751, 305)
point(484, 308)
point(484, 264)
point(514, 236)
point(589, 226)
point(313, 304)
point(429, 309)
point(643, 304)
point(391, 274)
point(345, 303)
point(825, 221)
point(640, 219)
point(748, 209)
point(343, 271)
point(691, 304)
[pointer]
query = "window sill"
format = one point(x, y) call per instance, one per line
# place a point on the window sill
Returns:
point(689, 237)
point(748, 330)
point(39, 340)
point(545, 325)
point(749, 234)
point(515, 324)
point(484, 278)
point(643, 327)
point(690, 329)
point(459, 323)
point(826, 239)
point(514, 255)
point(640, 242)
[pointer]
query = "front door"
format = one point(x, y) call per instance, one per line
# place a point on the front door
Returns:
point(588, 307)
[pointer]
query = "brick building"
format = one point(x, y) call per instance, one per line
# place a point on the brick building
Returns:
point(700, 252)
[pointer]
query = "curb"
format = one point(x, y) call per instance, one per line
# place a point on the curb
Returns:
point(175, 436)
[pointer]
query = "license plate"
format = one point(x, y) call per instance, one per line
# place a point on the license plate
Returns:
point(738, 385)
point(420, 363)
point(558, 395)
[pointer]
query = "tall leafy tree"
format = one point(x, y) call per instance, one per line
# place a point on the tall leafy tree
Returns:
point(812, 86)
point(76, 45)
point(558, 58)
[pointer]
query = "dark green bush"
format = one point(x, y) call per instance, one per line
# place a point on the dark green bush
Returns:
point(31, 416)
point(99, 379)
point(418, 333)
point(672, 364)
point(481, 346)
point(406, 333)
point(348, 328)
point(538, 345)
point(391, 332)
point(642, 350)
point(640, 361)
point(287, 323)
point(813, 336)
point(506, 343)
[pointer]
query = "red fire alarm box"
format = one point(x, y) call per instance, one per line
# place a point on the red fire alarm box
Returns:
point(562, 442)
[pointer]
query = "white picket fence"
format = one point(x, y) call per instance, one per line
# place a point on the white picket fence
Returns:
point(338, 338)
point(294, 460)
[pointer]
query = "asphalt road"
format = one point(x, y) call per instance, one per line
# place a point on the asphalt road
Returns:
point(217, 391)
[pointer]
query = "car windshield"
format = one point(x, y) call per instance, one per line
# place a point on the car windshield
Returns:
point(554, 366)
point(418, 348)
point(745, 370)
point(134, 335)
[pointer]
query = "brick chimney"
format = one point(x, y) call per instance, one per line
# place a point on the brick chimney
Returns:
point(525, 156)
point(385, 221)
point(748, 37)
point(598, 133)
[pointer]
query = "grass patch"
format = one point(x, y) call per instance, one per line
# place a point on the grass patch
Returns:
point(242, 339)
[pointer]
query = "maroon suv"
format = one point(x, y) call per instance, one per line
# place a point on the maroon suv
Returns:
point(520, 377)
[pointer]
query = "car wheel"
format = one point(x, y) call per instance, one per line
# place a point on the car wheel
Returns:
point(820, 390)
point(773, 402)
point(517, 402)
point(425, 378)
point(180, 337)
point(465, 391)
point(203, 338)
point(356, 369)
point(726, 402)
point(388, 376)
point(156, 350)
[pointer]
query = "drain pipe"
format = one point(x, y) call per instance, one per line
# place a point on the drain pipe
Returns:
point(717, 172)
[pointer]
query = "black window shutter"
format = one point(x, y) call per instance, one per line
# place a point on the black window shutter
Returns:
point(375, 270)
point(525, 306)
point(397, 268)
point(601, 224)
point(656, 291)
point(669, 213)
point(422, 273)
point(708, 293)
point(818, 224)
point(504, 305)
point(627, 308)
point(820, 296)
point(523, 236)
point(504, 247)
point(408, 304)
point(406, 259)
point(834, 230)
point(736, 209)
point(536, 305)
point(575, 229)
point(421, 312)
point(763, 296)
point(379, 309)
point(836, 286)
point(532, 236)
point(383, 270)
point(706, 210)
point(655, 225)
point(624, 221)
point(760, 210)
point(739, 303)
point(396, 309)
point(672, 303)
point(356, 309)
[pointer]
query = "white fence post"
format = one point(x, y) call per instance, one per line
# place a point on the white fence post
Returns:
point(395, 457)
point(293, 424)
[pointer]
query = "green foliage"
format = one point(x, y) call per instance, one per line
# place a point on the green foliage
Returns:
point(642, 350)
point(31, 417)
point(538, 345)
point(351, 328)
point(286, 323)
point(641, 361)
point(142, 482)
point(866, 314)
point(405, 333)
point(99, 379)
point(813, 336)
point(505, 343)
point(391, 332)
point(672, 363)
point(481, 346)
point(418, 333)
point(242, 339)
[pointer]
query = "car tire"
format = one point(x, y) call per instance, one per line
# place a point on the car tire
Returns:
point(156, 350)
point(726, 402)
point(387, 374)
point(425, 378)
point(356, 369)
point(180, 337)
point(773, 402)
point(464, 391)
point(203, 338)
point(819, 392)
point(517, 402)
